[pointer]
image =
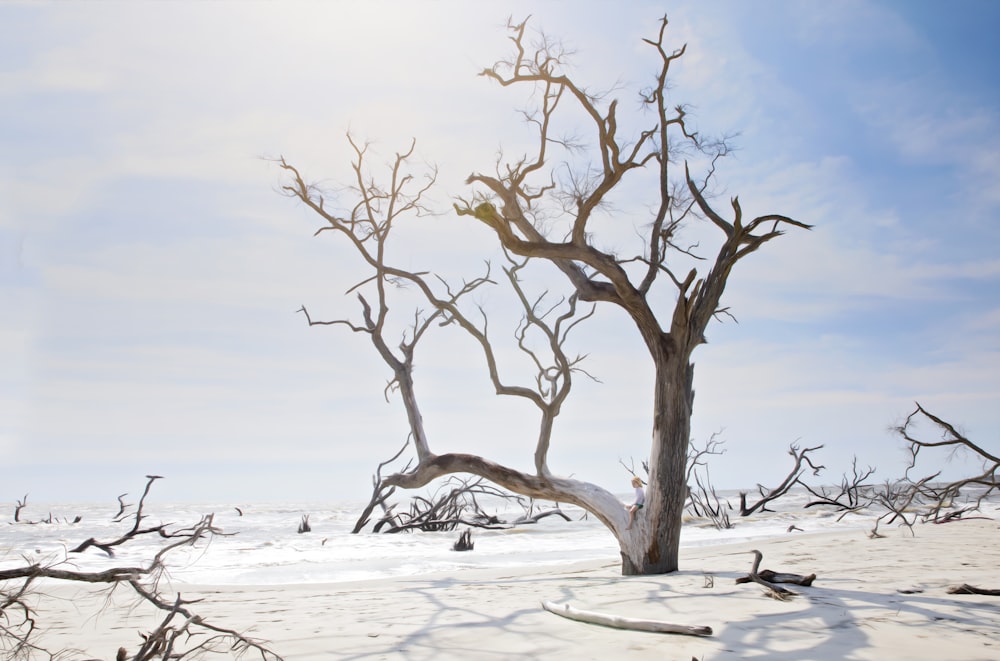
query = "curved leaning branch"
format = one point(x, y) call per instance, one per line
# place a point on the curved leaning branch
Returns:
point(375, 210)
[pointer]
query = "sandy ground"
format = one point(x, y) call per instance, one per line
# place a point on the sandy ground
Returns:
point(873, 599)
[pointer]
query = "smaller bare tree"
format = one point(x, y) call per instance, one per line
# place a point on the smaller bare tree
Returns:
point(703, 500)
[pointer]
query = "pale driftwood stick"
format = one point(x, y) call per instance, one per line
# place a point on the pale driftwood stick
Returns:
point(619, 622)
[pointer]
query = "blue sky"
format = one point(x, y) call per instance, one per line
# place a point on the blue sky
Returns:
point(150, 271)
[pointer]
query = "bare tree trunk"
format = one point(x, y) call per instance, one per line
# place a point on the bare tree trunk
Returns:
point(653, 544)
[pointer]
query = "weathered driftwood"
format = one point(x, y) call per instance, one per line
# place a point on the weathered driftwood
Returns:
point(780, 577)
point(773, 590)
point(619, 622)
point(965, 588)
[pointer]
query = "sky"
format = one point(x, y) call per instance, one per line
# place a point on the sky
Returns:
point(151, 271)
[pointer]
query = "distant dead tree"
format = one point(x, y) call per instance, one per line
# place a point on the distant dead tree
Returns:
point(854, 493)
point(464, 542)
point(549, 208)
point(909, 500)
point(801, 456)
point(950, 500)
point(20, 506)
point(703, 500)
point(23, 502)
point(135, 531)
point(181, 634)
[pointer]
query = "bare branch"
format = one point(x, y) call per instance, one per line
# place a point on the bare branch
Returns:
point(18, 614)
point(801, 456)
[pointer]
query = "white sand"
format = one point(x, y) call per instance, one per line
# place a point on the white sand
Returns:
point(854, 610)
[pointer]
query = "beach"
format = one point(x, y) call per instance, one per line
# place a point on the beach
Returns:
point(882, 598)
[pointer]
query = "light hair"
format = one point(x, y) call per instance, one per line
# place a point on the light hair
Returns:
point(636, 481)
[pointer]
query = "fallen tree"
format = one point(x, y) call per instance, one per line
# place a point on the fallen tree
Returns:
point(455, 502)
point(947, 501)
point(909, 500)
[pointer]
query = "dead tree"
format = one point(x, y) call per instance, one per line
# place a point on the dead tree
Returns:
point(380, 493)
point(801, 456)
point(951, 500)
point(908, 501)
point(703, 500)
point(541, 215)
point(900, 500)
point(855, 492)
point(182, 633)
point(464, 542)
point(20, 506)
point(135, 531)
point(22, 503)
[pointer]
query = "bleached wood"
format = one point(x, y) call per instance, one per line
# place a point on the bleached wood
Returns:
point(620, 622)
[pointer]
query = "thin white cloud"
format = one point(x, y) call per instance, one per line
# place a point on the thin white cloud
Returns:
point(172, 319)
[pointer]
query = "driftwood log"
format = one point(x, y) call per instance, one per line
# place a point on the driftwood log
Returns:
point(619, 622)
point(770, 579)
point(780, 577)
point(965, 588)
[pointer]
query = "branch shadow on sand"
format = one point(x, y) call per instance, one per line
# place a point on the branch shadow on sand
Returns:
point(455, 618)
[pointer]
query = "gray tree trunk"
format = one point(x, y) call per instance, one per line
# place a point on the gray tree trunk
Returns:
point(652, 545)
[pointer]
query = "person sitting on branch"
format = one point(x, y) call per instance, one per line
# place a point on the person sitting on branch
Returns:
point(640, 500)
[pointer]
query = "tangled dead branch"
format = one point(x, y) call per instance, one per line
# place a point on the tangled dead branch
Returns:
point(950, 500)
point(855, 492)
point(703, 500)
point(801, 457)
point(929, 499)
point(181, 633)
point(455, 502)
